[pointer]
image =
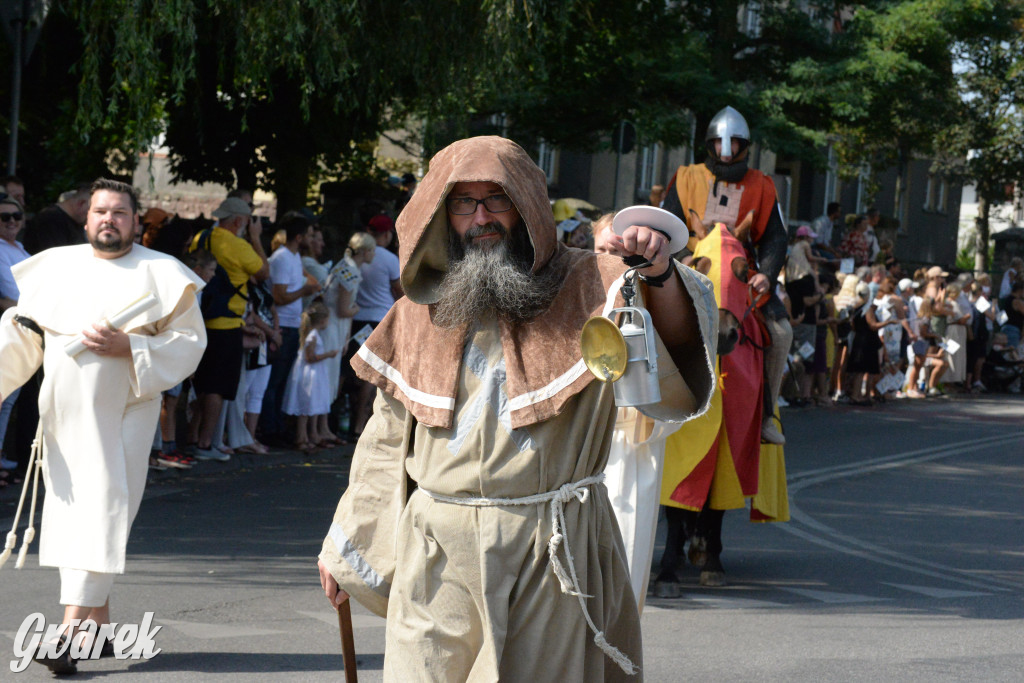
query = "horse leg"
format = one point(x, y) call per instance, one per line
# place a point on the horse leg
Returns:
point(709, 529)
point(666, 585)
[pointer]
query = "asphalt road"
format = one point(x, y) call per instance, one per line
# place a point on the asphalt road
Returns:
point(904, 561)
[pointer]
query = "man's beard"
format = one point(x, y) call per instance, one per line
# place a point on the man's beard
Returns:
point(112, 245)
point(731, 172)
point(494, 279)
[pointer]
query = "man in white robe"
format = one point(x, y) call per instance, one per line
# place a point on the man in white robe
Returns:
point(98, 409)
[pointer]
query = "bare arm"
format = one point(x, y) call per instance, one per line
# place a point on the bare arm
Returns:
point(346, 308)
point(253, 231)
point(282, 297)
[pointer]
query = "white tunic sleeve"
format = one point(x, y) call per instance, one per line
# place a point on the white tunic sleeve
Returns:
point(167, 351)
point(21, 350)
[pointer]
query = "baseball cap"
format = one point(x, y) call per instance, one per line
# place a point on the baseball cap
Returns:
point(232, 206)
point(381, 223)
point(805, 231)
point(907, 282)
point(937, 271)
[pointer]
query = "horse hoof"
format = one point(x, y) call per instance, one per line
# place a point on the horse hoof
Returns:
point(712, 574)
point(712, 579)
point(666, 589)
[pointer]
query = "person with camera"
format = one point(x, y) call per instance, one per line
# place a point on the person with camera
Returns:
point(235, 243)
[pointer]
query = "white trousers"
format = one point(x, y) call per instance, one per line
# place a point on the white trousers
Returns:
point(82, 588)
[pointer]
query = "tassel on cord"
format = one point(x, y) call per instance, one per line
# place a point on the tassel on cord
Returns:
point(32, 472)
point(30, 532)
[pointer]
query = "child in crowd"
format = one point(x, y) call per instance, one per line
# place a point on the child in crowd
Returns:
point(308, 396)
point(934, 360)
point(203, 264)
point(1005, 365)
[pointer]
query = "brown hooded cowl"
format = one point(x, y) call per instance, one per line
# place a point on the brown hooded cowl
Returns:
point(543, 361)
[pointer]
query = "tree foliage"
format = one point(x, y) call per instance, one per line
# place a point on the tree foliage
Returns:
point(985, 143)
point(281, 94)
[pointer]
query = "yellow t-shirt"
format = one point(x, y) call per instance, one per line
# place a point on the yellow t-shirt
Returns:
point(240, 261)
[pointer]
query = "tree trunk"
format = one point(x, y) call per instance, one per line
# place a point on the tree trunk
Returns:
point(981, 235)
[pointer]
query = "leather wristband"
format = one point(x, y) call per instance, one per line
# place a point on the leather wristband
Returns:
point(657, 280)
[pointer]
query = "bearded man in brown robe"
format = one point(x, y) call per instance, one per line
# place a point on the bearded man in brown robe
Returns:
point(475, 519)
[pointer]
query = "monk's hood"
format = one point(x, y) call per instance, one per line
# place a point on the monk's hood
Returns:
point(423, 224)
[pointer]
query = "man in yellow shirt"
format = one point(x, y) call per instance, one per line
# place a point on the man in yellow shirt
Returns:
point(223, 306)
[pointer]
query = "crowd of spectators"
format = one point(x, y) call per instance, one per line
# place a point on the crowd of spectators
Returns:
point(278, 326)
point(282, 328)
point(865, 331)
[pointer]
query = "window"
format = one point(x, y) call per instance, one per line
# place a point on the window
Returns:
point(752, 19)
point(935, 193)
point(546, 159)
point(648, 166)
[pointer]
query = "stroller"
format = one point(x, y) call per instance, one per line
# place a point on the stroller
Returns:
point(1003, 369)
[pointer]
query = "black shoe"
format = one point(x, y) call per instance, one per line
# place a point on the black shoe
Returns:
point(107, 650)
point(62, 664)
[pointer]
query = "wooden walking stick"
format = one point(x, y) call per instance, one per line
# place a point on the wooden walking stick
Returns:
point(348, 646)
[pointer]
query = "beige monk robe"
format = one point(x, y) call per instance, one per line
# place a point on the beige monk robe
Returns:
point(499, 412)
point(98, 414)
point(473, 595)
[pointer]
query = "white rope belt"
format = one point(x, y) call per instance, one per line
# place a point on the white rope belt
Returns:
point(568, 580)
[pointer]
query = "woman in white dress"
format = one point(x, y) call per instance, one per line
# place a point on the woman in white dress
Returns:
point(339, 295)
point(957, 320)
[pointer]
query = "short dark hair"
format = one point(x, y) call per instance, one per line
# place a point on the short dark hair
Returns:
point(294, 225)
point(872, 212)
point(9, 199)
point(238, 192)
point(832, 208)
point(116, 186)
point(200, 258)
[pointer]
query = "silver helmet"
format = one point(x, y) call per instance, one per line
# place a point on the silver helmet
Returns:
point(727, 125)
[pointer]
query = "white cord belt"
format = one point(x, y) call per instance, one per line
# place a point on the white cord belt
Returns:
point(568, 580)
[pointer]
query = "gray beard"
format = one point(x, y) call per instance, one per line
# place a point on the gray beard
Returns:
point(495, 280)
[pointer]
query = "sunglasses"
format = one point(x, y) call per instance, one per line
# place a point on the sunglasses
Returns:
point(7, 217)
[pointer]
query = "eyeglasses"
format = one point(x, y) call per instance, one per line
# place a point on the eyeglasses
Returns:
point(7, 217)
point(463, 206)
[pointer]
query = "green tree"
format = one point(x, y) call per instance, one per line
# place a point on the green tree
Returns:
point(985, 144)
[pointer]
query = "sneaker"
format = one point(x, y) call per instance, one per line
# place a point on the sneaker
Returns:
point(933, 392)
point(155, 465)
point(174, 459)
point(770, 434)
point(782, 403)
point(914, 393)
point(980, 387)
point(842, 398)
point(211, 454)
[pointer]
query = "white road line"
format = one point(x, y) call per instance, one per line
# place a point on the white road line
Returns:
point(210, 631)
point(803, 479)
point(823, 535)
point(932, 592)
point(832, 597)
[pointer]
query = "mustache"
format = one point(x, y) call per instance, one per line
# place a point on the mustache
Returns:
point(485, 229)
